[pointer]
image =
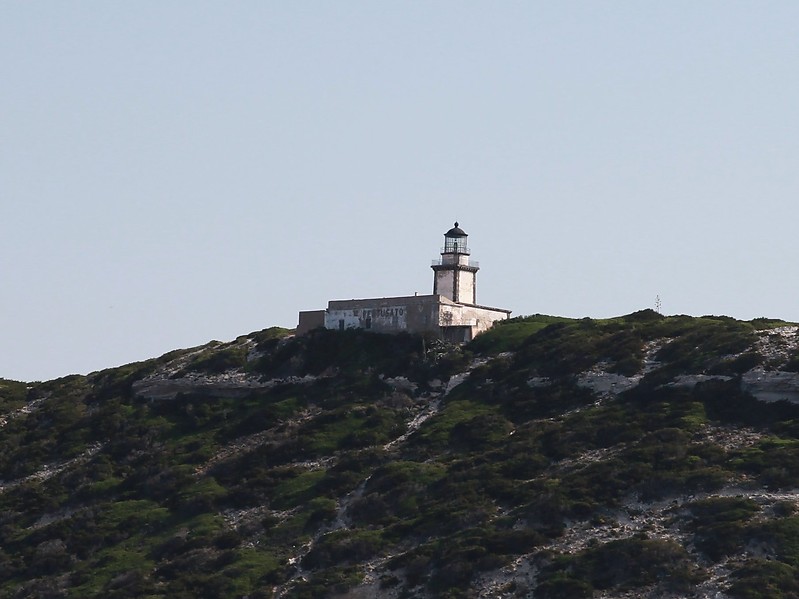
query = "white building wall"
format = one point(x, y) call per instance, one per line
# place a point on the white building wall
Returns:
point(444, 280)
point(466, 287)
point(484, 319)
point(433, 313)
point(480, 319)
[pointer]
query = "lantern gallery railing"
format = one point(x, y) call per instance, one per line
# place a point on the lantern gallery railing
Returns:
point(440, 261)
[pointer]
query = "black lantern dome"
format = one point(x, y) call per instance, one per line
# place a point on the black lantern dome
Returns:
point(456, 231)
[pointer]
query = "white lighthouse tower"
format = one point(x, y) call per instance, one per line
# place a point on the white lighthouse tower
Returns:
point(455, 277)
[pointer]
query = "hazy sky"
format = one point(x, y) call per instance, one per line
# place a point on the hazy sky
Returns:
point(175, 172)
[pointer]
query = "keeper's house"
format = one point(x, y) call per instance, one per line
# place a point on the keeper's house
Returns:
point(451, 312)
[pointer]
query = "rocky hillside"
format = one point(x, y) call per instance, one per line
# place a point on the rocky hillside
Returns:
point(642, 456)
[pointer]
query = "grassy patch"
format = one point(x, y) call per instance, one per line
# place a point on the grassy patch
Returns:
point(437, 431)
point(509, 335)
point(297, 489)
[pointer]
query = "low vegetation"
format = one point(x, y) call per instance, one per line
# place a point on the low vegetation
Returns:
point(341, 462)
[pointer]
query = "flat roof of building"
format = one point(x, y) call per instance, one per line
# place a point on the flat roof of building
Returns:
point(407, 299)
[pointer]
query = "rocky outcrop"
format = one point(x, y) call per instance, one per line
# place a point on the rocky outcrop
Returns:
point(773, 385)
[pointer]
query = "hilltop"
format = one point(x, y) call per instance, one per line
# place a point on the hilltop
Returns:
point(639, 456)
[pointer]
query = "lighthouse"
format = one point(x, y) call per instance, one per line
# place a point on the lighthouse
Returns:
point(450, 312)
point(454, 275)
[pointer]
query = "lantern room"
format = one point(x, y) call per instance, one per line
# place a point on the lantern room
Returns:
point(455, 241)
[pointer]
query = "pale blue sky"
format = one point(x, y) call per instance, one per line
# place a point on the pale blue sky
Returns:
point(176, 172)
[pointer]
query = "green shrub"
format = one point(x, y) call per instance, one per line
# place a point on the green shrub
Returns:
point(297, 489)
point(200, 497)
point(706, 345)
point(782, 536)
point(627, 564)
point(563, 586)
point(12, 394)
point(761, 579)
point(720, 524)
point(267, 339)
point(216, 360)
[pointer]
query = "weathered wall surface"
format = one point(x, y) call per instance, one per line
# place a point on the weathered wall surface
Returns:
point(444, 286)
point(427, 313)
point(455, 259)
point(478, 317)
point(309, 320)
point(466, 284)
point(393, 317)
point(413, 314)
